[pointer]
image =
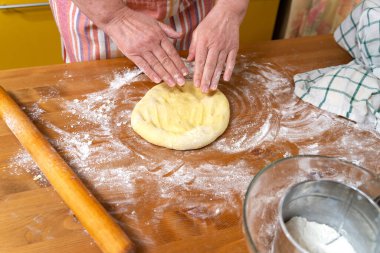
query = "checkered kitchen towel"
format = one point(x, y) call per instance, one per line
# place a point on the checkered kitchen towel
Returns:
point(351, 90)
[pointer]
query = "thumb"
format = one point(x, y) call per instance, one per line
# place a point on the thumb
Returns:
point(169, 31)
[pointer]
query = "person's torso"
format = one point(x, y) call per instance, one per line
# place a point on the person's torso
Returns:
point(159, 9)
point(82, 40)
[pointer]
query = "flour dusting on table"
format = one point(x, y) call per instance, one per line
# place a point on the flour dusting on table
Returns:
point(267, 123)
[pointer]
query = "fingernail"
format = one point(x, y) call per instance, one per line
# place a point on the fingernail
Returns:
point(215, 83)
point(171, 82)
point(180, 80)
point(156, 79)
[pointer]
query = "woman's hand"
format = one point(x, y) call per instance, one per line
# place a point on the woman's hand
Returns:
point(145, 41)
point(215, 43)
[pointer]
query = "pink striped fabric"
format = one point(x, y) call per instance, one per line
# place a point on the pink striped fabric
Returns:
point(83, 41)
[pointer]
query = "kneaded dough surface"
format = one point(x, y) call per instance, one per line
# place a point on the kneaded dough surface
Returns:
point(180, 118)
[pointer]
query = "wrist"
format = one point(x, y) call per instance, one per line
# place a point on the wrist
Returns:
point(103, 12)
point(235, 9)
point(116, 17)
point(113, 17)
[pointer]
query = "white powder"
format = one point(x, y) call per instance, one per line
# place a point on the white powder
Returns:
point(124, 78)
point(317, 238)
point(97, 138)
point(268, 122)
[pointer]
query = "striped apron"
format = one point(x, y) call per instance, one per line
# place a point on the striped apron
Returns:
point(83, 41)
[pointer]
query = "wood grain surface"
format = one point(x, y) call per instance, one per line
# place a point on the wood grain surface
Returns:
point(34, 219)
point(91, 214)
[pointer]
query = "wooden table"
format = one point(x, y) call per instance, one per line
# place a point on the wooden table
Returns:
point(167, 201)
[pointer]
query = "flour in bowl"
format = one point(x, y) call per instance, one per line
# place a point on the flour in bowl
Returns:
point(317, 238)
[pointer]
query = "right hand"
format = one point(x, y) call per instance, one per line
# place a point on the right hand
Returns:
point(144, 41)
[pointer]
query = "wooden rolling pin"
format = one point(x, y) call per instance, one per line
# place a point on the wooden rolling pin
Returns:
point(107, 234)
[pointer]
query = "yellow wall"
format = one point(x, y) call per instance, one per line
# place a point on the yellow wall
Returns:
point(259, 22)
point(28, 36)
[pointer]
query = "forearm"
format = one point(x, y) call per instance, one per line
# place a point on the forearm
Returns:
point(101, 12)
point(237, 7)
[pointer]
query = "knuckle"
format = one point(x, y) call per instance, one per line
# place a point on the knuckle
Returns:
point(172, 53)
point(207, 77)
point(157, 69)
point(214, 45)
point(150, 37)
point(165, 77)
point(142, 65)
point(131, 50)
point(218, 73)
point(220, 64)
point(216, 78)
point(165, 60)
point(223, 52)
point(155, 64)
point(201, 63)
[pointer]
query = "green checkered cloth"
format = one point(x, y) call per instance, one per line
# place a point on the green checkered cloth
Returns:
point(351, 90)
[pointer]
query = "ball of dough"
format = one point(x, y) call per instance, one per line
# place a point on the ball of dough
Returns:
point(180, 118)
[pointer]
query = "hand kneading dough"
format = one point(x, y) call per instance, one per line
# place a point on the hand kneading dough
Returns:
point(180, 118)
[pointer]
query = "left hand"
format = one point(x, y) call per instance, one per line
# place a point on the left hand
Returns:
point(215, 43)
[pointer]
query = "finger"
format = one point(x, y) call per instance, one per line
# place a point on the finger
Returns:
point(191, 55)
point(169, 31)
point(158, 68)
point(145, 67)
point(218, 70)
point(230, 64)
point(209, 69)
point(169, 66)
point(200, 60)
point(174, 56)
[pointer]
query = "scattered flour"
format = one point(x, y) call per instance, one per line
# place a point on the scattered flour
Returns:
point(268, 123)
point(317, 238)
point(94, 144)
point(124, 78)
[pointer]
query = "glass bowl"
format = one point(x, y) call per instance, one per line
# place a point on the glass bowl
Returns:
point(260, 210)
